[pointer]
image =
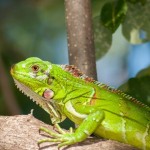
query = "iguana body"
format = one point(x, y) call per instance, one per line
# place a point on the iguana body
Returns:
point(63, 91)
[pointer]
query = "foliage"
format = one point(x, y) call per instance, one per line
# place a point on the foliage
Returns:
point(133, 15)
point(37, 25)
point(102, 38)
point(139, 87)
point(112, 18)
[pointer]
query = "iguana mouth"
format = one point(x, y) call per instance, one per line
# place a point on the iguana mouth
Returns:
point(48, 106)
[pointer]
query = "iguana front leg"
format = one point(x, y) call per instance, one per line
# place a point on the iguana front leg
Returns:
point(86, 128)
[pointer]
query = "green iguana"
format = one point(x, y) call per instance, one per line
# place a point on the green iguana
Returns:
point(63, 91)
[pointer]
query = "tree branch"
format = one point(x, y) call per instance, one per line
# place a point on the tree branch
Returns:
point(21, 132)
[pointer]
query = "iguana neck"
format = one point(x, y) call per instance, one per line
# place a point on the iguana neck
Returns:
point(64, 83)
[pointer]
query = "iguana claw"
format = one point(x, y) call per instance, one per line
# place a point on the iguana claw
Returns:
point(66, 138)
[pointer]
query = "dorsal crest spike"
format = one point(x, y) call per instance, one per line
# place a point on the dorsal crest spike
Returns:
point(119, 92)
point(77, 73)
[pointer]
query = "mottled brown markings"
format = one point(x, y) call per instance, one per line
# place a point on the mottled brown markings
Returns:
point(93, 99)
point(77, 73)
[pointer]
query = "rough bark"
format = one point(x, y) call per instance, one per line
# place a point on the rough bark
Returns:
point(21, 132)
point(80, 35)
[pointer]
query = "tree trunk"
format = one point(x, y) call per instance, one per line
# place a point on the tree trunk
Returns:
point(80, 36)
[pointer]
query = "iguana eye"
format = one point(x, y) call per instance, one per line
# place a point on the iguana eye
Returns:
point(35, 68)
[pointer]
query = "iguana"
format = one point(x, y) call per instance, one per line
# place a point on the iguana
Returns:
point(63, 91)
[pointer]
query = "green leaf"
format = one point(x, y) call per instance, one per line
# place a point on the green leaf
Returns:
point(136, 27)
point(144, 72)
point(139, 87)
point(102, 38)
point(97, 6)
point(113, 13)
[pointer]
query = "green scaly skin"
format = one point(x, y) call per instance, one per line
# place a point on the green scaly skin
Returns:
point(94, 107)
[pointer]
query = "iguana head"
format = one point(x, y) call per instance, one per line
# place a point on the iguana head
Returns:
point(32, 77)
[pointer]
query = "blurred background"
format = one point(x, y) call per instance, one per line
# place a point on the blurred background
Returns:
point(37, 28)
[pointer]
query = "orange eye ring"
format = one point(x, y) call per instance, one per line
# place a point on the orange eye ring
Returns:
point(35, 68)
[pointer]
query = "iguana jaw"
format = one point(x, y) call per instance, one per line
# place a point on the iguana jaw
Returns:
point(48, 106)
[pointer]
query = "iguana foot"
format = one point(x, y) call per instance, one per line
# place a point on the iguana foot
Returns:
point(64, 137)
